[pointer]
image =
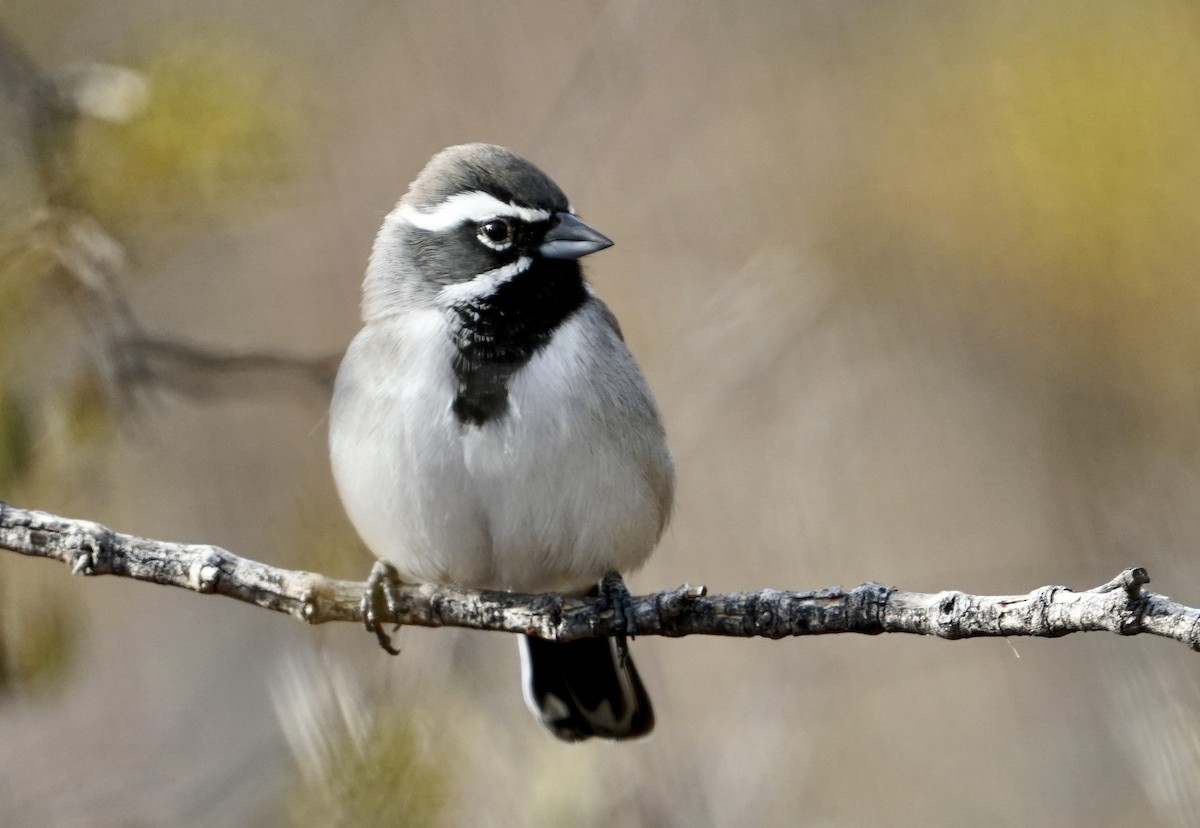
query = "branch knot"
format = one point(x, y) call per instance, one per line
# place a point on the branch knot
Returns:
point(205, 572)
point(869, 602)
point(90, 552)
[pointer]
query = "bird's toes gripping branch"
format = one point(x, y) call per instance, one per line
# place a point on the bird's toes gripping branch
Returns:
point(617, 598)
point(381, 602)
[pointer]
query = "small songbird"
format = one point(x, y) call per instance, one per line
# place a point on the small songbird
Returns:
point(490, 429)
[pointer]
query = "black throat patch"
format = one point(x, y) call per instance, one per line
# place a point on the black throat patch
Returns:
point(501, 332)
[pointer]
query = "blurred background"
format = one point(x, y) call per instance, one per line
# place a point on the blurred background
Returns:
point(913, 283)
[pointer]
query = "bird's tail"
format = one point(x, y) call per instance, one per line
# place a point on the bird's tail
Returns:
point(578, 689)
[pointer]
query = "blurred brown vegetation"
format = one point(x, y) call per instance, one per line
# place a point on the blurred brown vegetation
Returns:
point(912, 282)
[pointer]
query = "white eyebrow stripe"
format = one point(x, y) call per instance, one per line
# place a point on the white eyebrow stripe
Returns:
point(484, 283)
point(471, 207)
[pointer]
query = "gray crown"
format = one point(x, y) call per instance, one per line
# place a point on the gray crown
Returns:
point(486, 168)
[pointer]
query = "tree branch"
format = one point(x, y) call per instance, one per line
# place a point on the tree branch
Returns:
point(1121, 606)
point(132, 361)
point(198, 371)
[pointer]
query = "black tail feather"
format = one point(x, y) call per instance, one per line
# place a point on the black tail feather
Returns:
point(579, 689)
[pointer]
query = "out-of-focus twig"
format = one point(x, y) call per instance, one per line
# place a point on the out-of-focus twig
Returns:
point(131, 362)
point(90, 261)
point(85, 257)
point(199, 372)
point(1120, 606)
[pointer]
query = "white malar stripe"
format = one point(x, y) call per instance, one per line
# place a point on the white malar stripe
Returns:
point(484, 283)
point(474, 207)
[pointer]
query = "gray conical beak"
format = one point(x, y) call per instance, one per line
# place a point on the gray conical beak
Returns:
point(570, 238)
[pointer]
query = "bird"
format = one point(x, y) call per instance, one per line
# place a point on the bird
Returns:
point(490, 429)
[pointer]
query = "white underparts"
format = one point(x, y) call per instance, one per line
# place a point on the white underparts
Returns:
point(483, 284)
point(473, 207)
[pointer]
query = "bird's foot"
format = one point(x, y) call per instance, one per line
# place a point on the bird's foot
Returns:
point(617, 598)
point(381, 602)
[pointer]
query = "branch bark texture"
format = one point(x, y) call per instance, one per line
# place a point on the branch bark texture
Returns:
point(1121, 606)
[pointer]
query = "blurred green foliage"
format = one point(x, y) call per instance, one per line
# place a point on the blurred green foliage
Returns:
point(16, 446)
point(323, 539)
point(221, 125)
point(389, 778)
point(23, 264)
point(220, 128)
point(1042, 172)
point(38, 624)
point(74, 426)
point(38, 631)
point(87, 415)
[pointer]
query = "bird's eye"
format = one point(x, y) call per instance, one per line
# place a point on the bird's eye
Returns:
point(496, 231)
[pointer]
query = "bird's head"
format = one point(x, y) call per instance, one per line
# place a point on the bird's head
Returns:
point(477, 217)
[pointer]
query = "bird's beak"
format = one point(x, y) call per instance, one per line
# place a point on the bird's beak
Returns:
point(570, 238)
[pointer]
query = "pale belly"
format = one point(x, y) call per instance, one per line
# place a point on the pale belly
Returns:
point(541, 499)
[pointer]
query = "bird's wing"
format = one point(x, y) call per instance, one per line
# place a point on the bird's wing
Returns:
point(608, 317)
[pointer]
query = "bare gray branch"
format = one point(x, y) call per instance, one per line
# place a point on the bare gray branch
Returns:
point(198, 372)
point(1120, 606)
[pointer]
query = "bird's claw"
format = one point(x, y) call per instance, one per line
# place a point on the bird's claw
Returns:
point(381, 602)
point(617, 598)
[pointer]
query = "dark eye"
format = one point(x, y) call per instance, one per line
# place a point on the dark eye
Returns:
point(496, 231)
